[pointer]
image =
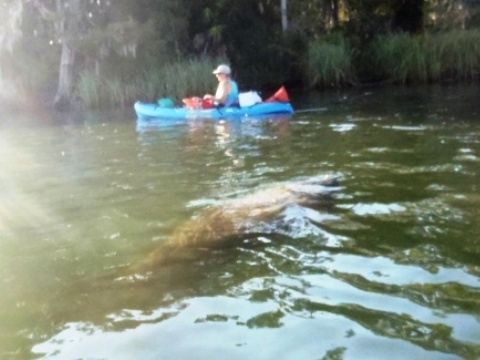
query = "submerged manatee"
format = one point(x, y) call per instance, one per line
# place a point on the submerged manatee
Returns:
point(222, 225)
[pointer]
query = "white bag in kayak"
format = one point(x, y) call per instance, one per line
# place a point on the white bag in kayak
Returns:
point(249, 98)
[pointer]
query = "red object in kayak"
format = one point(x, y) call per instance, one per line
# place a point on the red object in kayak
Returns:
point(280, 96)
point(208, 104)
point(196, 102)
point(193, 102)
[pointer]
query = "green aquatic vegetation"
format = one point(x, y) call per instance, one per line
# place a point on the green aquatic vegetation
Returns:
point(428, 57)
point(89, 89)
point(190, 77)
point(329, 63)
point(115, 92)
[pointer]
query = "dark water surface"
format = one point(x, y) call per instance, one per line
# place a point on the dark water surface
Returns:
point(388, 268)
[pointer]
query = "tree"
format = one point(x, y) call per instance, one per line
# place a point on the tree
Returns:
point(409, 16)
point(283, 10)
point(94, 31)
point(72, 17)
point(10, 23)
point(10, 33)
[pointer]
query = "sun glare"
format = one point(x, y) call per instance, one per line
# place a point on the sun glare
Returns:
point(20, 205)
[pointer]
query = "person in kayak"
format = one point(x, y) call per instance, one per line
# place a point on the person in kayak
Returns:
point(227, 90)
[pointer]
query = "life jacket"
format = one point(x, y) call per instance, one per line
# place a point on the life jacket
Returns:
point(232, 98)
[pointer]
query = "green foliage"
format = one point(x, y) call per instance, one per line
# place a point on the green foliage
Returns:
point(400, 57)
point(329, 63)
point(130, 50)
point(189, 78)
point(90, 89)
point(429, 57)
point(176, 79)
point(28, 70)
point(95, 92)
point(249, 33)
point(458, 53)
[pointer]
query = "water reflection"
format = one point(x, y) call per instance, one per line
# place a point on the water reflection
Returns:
point(390, 266)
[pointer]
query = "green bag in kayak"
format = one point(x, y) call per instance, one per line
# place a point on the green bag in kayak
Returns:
point(166, 103)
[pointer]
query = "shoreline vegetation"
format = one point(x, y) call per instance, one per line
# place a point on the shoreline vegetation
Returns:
point(397, 58)
point(74, 54)
point(330, 62)
point(179, 79)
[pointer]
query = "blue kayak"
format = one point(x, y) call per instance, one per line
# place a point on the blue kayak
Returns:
point(152, 110)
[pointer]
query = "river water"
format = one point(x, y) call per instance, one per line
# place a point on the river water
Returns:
point(387, 266)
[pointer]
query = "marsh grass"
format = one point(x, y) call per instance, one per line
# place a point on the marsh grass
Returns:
point(89, 89)
point(429, 57)
point(115, 92)
point(176, 80)
point(190, 78)
point(329, 63)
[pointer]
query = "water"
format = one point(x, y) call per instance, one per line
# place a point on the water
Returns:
point(388, 267)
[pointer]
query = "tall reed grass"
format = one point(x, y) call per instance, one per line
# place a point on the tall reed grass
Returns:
point(89, 89)
point(428, 57)
point(329, 63)
point(176, 80)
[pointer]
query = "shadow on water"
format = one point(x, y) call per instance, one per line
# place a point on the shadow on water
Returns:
point(437, 103)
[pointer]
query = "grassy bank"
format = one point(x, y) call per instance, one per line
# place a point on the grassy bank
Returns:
point(428, 57)
point(330, 62)
point(176, 80)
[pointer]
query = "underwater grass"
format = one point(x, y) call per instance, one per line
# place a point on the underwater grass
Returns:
point(329, 63)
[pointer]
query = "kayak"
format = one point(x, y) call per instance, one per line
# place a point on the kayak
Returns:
point(250, 105)
point(153, 110)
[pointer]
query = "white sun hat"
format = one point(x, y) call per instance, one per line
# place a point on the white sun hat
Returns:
point(222, 69)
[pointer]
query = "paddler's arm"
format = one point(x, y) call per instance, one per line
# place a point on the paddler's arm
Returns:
point(221, 94)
